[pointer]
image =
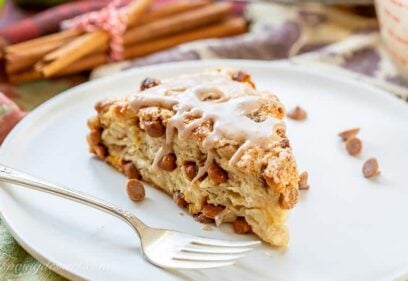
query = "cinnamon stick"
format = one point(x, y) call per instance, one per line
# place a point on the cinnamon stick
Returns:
point(37, 51)
point(86, 44)
point(18, 66)
point(24, 59)
point(228, 27)
point(25, 76)
point(23, 55)
point(135, 10)
point(55, 37)
point(171, 9)
point(82, 65)
point(21, 60)
point(178, 23)
point(55, 61)
point(160, 12)
point(89, 42)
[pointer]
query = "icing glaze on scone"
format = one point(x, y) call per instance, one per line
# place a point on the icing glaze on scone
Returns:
point(216, 98)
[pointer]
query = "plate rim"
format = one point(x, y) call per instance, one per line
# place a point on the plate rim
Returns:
point(348, 78)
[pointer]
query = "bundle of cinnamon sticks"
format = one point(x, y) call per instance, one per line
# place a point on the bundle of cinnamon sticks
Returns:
point(148, 30)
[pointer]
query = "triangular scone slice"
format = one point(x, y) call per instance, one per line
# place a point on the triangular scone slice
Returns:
point(212, 141)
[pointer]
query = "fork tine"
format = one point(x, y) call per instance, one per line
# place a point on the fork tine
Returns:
point(215, 250)
point(222, 243)
point(198, 265)
point(206, 257)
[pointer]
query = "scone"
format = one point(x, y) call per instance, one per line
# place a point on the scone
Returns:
point(210, 140)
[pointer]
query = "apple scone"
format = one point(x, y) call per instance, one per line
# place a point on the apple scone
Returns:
point(212, 141)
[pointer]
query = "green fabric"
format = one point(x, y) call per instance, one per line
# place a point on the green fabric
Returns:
point(17, 264)
point(29, 95)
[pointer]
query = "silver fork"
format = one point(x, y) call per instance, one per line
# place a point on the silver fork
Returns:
point(162, 247)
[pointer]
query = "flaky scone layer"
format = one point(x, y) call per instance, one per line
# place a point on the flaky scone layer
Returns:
point(259, 187)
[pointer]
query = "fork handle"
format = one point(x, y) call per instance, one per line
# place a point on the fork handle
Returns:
point(13, 176)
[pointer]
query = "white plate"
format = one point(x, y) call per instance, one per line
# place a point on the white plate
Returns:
point(344, 228)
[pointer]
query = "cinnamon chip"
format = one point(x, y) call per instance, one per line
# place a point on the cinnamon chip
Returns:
point(303, 177)
point(155, 129)
point(217, 174)
point(354, 145)
point(210, 211)
point(168, 162)
point(203, 219)
point(130, 170)
point(190, 168)
point(345, 135)
point(179, 199)
point(100, 151)
point(371, 168)
point(135, 190)
point(95, 136)
point(284, 143)
point(241, 226)
point(298, 114)
point(242, 76)
point(149, 83)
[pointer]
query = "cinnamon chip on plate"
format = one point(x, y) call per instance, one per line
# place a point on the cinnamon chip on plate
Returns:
point(371, 168)
point(135, 190)
point(345, 135)
point(303, 177)
point(298, 114)
point(354, 146)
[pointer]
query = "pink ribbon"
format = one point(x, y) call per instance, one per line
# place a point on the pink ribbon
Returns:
point(110, 19)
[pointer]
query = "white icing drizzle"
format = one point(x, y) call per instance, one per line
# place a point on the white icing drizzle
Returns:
point(211, 97)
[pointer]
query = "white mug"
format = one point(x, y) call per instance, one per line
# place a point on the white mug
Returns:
point(393, 17)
